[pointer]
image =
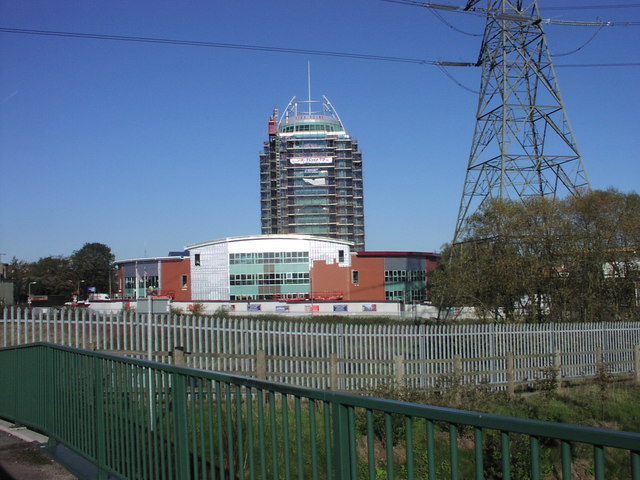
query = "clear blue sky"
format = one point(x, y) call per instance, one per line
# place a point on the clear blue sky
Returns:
point(148, 148)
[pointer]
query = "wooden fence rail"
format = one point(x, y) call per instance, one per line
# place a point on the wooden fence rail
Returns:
point(366, 356)
point(512, 377)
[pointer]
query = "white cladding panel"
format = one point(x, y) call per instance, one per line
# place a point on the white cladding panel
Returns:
point(210, 279)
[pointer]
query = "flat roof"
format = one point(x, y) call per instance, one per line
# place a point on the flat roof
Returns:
point(397, 254)
point(171, 258)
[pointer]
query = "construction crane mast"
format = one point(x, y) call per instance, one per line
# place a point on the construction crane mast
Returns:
point(523, 145)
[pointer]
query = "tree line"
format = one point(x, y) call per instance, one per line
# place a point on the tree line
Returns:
point(574, 259)
point(89, 267)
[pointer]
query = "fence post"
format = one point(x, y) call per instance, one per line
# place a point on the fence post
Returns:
point(511, 377)
point(599, 362)
point(333, 369)
point(636, 363)
point(178, 357)
point(557, 368)
point(261, 365)
point(399, 370)
point(457, 370)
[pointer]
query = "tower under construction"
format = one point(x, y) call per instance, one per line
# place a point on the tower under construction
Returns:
point(311, 175)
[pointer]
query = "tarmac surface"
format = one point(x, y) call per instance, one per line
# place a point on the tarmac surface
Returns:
point(23, 456)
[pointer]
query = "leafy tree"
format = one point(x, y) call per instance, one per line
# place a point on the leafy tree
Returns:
point(93, 264)
point(18, 272)
point(53, 276)
point(575, 259)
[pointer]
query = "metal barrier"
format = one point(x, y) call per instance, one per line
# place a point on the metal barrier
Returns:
point(139, 419)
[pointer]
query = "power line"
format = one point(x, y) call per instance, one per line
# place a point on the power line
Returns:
point(439, 16)
point(262, 48)
point(519, 17)
point(581, 46)
point(195, 43)
point(593, 7)
point(581, 65)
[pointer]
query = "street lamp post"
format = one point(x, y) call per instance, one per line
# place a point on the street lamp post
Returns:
point(29, 292)
point(79, 282)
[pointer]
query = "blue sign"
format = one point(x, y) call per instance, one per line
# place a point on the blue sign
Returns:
point(340, 308)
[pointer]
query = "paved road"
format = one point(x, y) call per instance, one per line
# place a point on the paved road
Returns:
point(22, 457)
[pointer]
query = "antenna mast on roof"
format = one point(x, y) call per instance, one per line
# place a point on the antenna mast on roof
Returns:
point(309, 83)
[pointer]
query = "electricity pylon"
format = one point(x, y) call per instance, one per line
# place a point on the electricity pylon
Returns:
point(523, 145)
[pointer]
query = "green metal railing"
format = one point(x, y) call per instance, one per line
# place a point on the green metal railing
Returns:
point(138, 419)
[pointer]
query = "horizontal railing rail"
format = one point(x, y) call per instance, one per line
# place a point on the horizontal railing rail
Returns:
point(139, 419)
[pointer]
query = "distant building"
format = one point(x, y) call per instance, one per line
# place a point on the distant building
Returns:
point(311, 175)
point(165, 276)
point(279, 268)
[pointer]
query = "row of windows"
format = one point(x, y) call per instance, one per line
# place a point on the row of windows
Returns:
point(269, 279)
point(143, 282)
point(311, 127)
point(312, 229)
point(302, 219)
point(405, 295)
point(268, 257)
point(404, 275)
point(310, 172)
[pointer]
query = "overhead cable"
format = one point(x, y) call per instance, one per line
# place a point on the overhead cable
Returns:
point(581, 46)
point(195, 43)
point(515, 17)
point(262, 48)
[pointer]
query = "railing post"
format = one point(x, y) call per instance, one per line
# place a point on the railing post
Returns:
point(181, 437)
point(557, 368)
point(341, 441)
point(511, 377)
point(99, 420)
point(636, 363)
point(333, 368)
point(399, 370)
point(261, 365)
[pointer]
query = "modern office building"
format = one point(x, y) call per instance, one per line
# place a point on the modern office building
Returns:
point(311, 175)
point(280, 268)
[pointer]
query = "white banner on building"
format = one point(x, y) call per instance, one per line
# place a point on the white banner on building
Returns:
point(310, 160)
point(315, 181)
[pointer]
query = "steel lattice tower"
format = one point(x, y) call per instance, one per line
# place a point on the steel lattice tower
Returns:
point(523, 145)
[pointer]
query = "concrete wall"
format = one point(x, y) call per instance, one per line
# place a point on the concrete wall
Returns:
point(6, 293)
point(387, 309)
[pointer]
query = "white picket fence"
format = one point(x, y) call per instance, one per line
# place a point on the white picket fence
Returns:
point(304, 353)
